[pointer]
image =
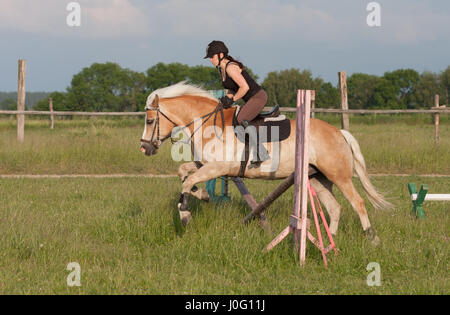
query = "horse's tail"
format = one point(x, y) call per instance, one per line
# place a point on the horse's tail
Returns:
point(359, 165)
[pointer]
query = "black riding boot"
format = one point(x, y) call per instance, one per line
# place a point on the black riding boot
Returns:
point(261, 154)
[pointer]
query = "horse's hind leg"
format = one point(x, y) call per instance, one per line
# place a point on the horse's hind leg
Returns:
point(351, 194)
point(324, 190)
point(183, 172)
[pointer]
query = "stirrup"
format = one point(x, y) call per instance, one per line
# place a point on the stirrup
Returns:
point(254, 164)
point(274, 112)
point(257, 163)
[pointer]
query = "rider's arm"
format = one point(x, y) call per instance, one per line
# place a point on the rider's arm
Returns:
point(235, 73)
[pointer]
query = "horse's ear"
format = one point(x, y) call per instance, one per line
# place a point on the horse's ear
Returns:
point(155, 101)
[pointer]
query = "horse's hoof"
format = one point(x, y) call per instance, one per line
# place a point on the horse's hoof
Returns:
point(204, 195)
point(185, 217)
point(372, 236)
point(183, 202)
point(201, 194)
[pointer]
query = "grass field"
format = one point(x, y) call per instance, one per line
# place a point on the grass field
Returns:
point(121, 230)
point(100, 146)
point(121, 233)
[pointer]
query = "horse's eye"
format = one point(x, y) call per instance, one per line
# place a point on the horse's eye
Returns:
point(150, 121)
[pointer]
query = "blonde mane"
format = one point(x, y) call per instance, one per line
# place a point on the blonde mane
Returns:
point(178, 89)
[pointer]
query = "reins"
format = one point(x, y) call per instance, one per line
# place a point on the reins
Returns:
point(219, 108)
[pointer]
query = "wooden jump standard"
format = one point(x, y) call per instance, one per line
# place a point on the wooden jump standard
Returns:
point(299, 224)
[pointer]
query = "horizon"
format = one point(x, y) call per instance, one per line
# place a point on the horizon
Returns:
point(260, 80)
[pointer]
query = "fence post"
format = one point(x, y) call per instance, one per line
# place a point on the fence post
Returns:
point(436, 120)
point(50, 105)
point(313, 103)
point(345, 123)
point(21, 100)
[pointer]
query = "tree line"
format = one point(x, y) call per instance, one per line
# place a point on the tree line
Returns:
point(8, 100)
point(109, 87)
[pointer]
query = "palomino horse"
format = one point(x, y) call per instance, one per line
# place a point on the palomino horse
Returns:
point(334, 153)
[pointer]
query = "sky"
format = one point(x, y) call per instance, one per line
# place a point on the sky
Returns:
point(324, 37)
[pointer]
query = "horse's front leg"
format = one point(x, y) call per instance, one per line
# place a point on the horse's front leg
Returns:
point(206, 172)
point(184, 171)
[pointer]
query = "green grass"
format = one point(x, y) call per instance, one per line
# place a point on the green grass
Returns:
point(390, 144)
point(403, 148)
point(94, 146)
point(121, 233)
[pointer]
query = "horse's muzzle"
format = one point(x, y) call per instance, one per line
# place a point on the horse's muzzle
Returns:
point(148, 149)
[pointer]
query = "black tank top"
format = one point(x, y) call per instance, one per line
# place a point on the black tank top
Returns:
point(229, 84)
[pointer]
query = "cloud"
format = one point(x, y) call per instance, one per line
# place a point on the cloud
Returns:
point(419, 24)
point(413, 22)
point(332, 22)
point(99, 18)
point(251, 18)
point(115, 18)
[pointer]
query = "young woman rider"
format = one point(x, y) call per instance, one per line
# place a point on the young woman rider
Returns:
point(240, 85)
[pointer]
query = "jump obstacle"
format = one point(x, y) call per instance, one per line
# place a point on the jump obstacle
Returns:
point(418, 199)
point(299, 224)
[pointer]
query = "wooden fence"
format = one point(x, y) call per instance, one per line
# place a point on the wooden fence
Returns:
point(442, 110)
point(435, 111)
point(344, 111)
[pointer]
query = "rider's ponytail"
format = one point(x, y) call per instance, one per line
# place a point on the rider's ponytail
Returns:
point(235, 61)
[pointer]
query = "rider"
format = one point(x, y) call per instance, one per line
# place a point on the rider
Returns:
point(239, 85)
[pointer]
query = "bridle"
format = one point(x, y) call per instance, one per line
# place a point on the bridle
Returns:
point(158, 142)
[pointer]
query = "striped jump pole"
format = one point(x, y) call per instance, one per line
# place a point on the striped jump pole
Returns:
point(299, 224)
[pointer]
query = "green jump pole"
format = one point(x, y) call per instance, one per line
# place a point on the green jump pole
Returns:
point(211, 189)
point(417, 204)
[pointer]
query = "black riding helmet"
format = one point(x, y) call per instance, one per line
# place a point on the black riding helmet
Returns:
point(216, 47)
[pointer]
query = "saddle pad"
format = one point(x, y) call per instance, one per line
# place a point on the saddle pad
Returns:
point(281, 123)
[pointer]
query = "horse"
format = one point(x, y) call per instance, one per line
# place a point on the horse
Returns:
point(334, 153)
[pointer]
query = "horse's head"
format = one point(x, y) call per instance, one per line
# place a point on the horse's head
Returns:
point(181, 105)
point(158, 127)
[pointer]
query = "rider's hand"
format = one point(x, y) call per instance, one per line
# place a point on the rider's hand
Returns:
point(226, 101)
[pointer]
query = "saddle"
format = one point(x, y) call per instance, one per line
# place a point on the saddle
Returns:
point(275, 128)
point(268, 122)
